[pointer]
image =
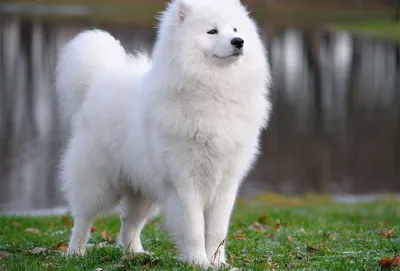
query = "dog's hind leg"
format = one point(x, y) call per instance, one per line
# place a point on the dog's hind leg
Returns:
point(91, 205)
point(136, 210)
point(86, 183)
point(80, 235)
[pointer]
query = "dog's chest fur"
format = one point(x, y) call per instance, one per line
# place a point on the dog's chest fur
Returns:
point(221, 127)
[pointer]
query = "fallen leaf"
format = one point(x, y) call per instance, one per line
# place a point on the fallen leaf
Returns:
point(105, 236)
point(389, 262)
point(257, 226)
point(60, 246)
point(290, 239)
point(51, 225)
point(106, 259)
point(263, 219)
point(278, 224)
point(239, 236)
point(4, 254)
point(16, 224)
point(388, 233)
point(302, 230)
point(39, 250)
point(247, 261)
point(99, 269)
point(32, 230)
point(311, 250)
point(93, 229)
point(66, 221)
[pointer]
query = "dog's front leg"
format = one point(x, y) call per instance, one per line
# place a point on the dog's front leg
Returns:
point(217, 218)
point(185, 223)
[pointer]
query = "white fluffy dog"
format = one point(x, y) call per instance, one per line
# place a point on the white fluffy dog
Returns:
point(179, 131)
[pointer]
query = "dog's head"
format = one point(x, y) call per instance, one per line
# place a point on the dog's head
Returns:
point(219, 31)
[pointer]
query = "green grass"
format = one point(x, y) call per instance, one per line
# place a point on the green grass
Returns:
point(324, 15)
point(269, 233)
point(381, 28)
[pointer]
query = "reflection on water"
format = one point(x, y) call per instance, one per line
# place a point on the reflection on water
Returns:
point(335, 126)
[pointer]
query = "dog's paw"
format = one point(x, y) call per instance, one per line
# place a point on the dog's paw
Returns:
point(75, 252)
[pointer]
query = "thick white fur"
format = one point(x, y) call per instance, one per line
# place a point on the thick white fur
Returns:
point(180, 132)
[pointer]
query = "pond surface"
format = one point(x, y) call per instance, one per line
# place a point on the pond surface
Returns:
point(335, 127)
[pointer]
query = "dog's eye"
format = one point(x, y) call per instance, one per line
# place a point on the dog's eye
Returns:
point(235, 30)
point(213, 31)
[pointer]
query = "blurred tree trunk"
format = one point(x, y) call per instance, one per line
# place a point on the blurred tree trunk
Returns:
point(311, 53)
point(311, 50)
point(397, 86)
point(26, 44)
point(351, 125)
point(6, 108)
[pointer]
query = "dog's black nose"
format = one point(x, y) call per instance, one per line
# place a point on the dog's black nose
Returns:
point(237, 42)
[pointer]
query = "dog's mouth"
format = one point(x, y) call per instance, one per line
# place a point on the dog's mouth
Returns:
point(238, 53)
point(233, 55)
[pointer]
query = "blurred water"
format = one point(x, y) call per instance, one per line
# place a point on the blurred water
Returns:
point(335, 126)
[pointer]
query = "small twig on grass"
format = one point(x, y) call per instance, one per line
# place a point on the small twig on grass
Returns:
point(217, 252)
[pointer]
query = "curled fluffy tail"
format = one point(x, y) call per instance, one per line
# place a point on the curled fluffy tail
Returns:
point(80, 60)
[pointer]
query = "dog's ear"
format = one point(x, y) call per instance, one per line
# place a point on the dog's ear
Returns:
point(183, 9)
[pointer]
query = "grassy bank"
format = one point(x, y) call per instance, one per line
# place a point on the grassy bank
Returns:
point(372, 20)
point(379, 28)
point(143, 12)
point(270, 233)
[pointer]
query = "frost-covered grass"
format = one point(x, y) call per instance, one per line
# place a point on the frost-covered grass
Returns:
point(268, 233)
